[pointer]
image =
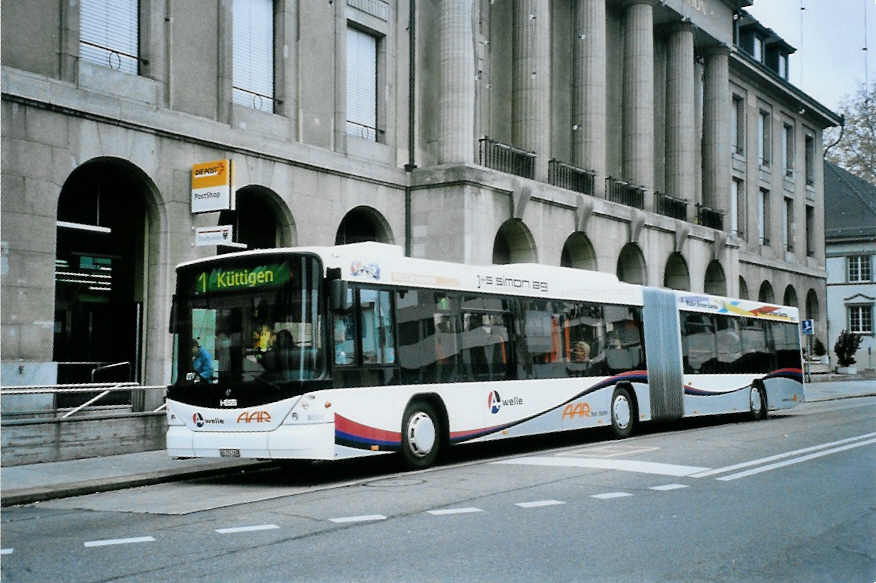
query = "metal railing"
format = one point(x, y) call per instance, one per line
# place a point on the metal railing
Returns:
point(623, 192)
point(670, 206)
point(505, 158)
point(709, 217)
point(102, 390)
point(570, 177)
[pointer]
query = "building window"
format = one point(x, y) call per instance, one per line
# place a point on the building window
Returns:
point(763, 217)
point(758, 49)
point(253, 67)
point(737, 126)
point(783, 66)
point(109, 34)
point(810, 231)
point(788, 149)
point(737, 207)
point(764, 142)
point(858, 268)
point(810, 160)
point(860, 319)
point(361, 84)
point(788, 224)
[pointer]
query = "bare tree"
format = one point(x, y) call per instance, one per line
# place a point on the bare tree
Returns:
point(856, 151)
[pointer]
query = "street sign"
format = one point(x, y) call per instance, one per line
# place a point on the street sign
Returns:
point(807, 327)
point(218, 235)
point(211, 187)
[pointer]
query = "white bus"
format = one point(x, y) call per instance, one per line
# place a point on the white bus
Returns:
point(329, 353)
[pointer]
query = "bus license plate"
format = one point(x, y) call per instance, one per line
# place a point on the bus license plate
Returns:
point(229, 452)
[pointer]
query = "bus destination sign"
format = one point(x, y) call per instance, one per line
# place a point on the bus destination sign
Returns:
point(220, 280)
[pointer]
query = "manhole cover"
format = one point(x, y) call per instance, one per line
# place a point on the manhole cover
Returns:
point(394, 483)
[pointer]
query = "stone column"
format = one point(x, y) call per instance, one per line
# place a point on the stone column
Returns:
point(716, 129)
point(590, 87)
point(457, 84)
point(638, 122)
point(681, 115)
point(530, 90)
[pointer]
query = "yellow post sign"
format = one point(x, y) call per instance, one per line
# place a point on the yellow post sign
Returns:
point(212, 187)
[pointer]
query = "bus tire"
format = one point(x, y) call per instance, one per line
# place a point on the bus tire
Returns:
point(757, 402)
point(421, 435)
point(623, 412)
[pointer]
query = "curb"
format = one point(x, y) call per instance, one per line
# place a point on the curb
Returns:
point(43, 493)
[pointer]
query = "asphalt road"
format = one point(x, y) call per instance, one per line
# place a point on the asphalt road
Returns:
point(789, 499)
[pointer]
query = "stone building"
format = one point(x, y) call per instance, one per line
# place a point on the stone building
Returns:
point(659, 140)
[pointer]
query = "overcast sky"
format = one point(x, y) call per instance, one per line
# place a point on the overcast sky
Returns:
point(829, 63)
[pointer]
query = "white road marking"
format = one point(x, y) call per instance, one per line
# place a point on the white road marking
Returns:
point(773, 458)
point(798, 460)
point(539, 503)
point(606, 464)
point(119, 541)
point(668, 487)
point(236, 529)
point(446, 511)
point(610, 495)
point(6, 551)
point(363, 518)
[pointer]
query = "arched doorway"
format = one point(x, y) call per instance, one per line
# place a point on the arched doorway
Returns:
point(676, 275)
point(105, 210)
point(790, 297)
point(715, 283)
point(514, 244)
point(261, 220)
point(631, 265)
point(578, 252)
point(765, 294)
point(743, 289)
point(363, 224)
point(811, 305)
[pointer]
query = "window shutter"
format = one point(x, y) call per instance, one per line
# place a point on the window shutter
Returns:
point(361, 84)
point(109, 33)
point(253, 66)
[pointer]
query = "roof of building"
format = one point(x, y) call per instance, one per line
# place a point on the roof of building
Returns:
point(849, 203)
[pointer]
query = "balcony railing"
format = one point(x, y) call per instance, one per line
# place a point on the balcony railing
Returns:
point(570, 177)
point(624, 193)
point(505, 158)
point(709, 217)
point(670, 206)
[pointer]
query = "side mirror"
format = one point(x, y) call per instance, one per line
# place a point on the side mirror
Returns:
point(338, 295)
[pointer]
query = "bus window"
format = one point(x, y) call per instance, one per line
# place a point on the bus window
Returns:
point(729, 340)
point(378, 343)
point(698, 343)
point(427, 337)
point(787, 340)
point(623, 339)
point(345, 334)
point(484, 344)
point(583, 339)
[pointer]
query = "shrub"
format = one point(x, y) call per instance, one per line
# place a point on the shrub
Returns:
point(818, 348)
point(845, 348)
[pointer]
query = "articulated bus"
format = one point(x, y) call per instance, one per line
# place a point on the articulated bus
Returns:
point(355, 350)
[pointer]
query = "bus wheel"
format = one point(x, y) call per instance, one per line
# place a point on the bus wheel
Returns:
point(757, 402)
point(622, 412)
point(420, 435)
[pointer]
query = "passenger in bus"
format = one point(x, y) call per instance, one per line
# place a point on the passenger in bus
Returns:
point(278, 358)
point(201, 362)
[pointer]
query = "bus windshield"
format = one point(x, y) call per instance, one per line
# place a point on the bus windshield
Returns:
point(250, 319)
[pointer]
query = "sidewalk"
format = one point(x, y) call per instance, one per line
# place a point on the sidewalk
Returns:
point(34, 482)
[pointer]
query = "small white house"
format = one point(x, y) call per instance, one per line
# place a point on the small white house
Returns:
point(850, 251)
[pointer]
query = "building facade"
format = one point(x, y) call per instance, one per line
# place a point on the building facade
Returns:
point(850, 246)
point(660, 141)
